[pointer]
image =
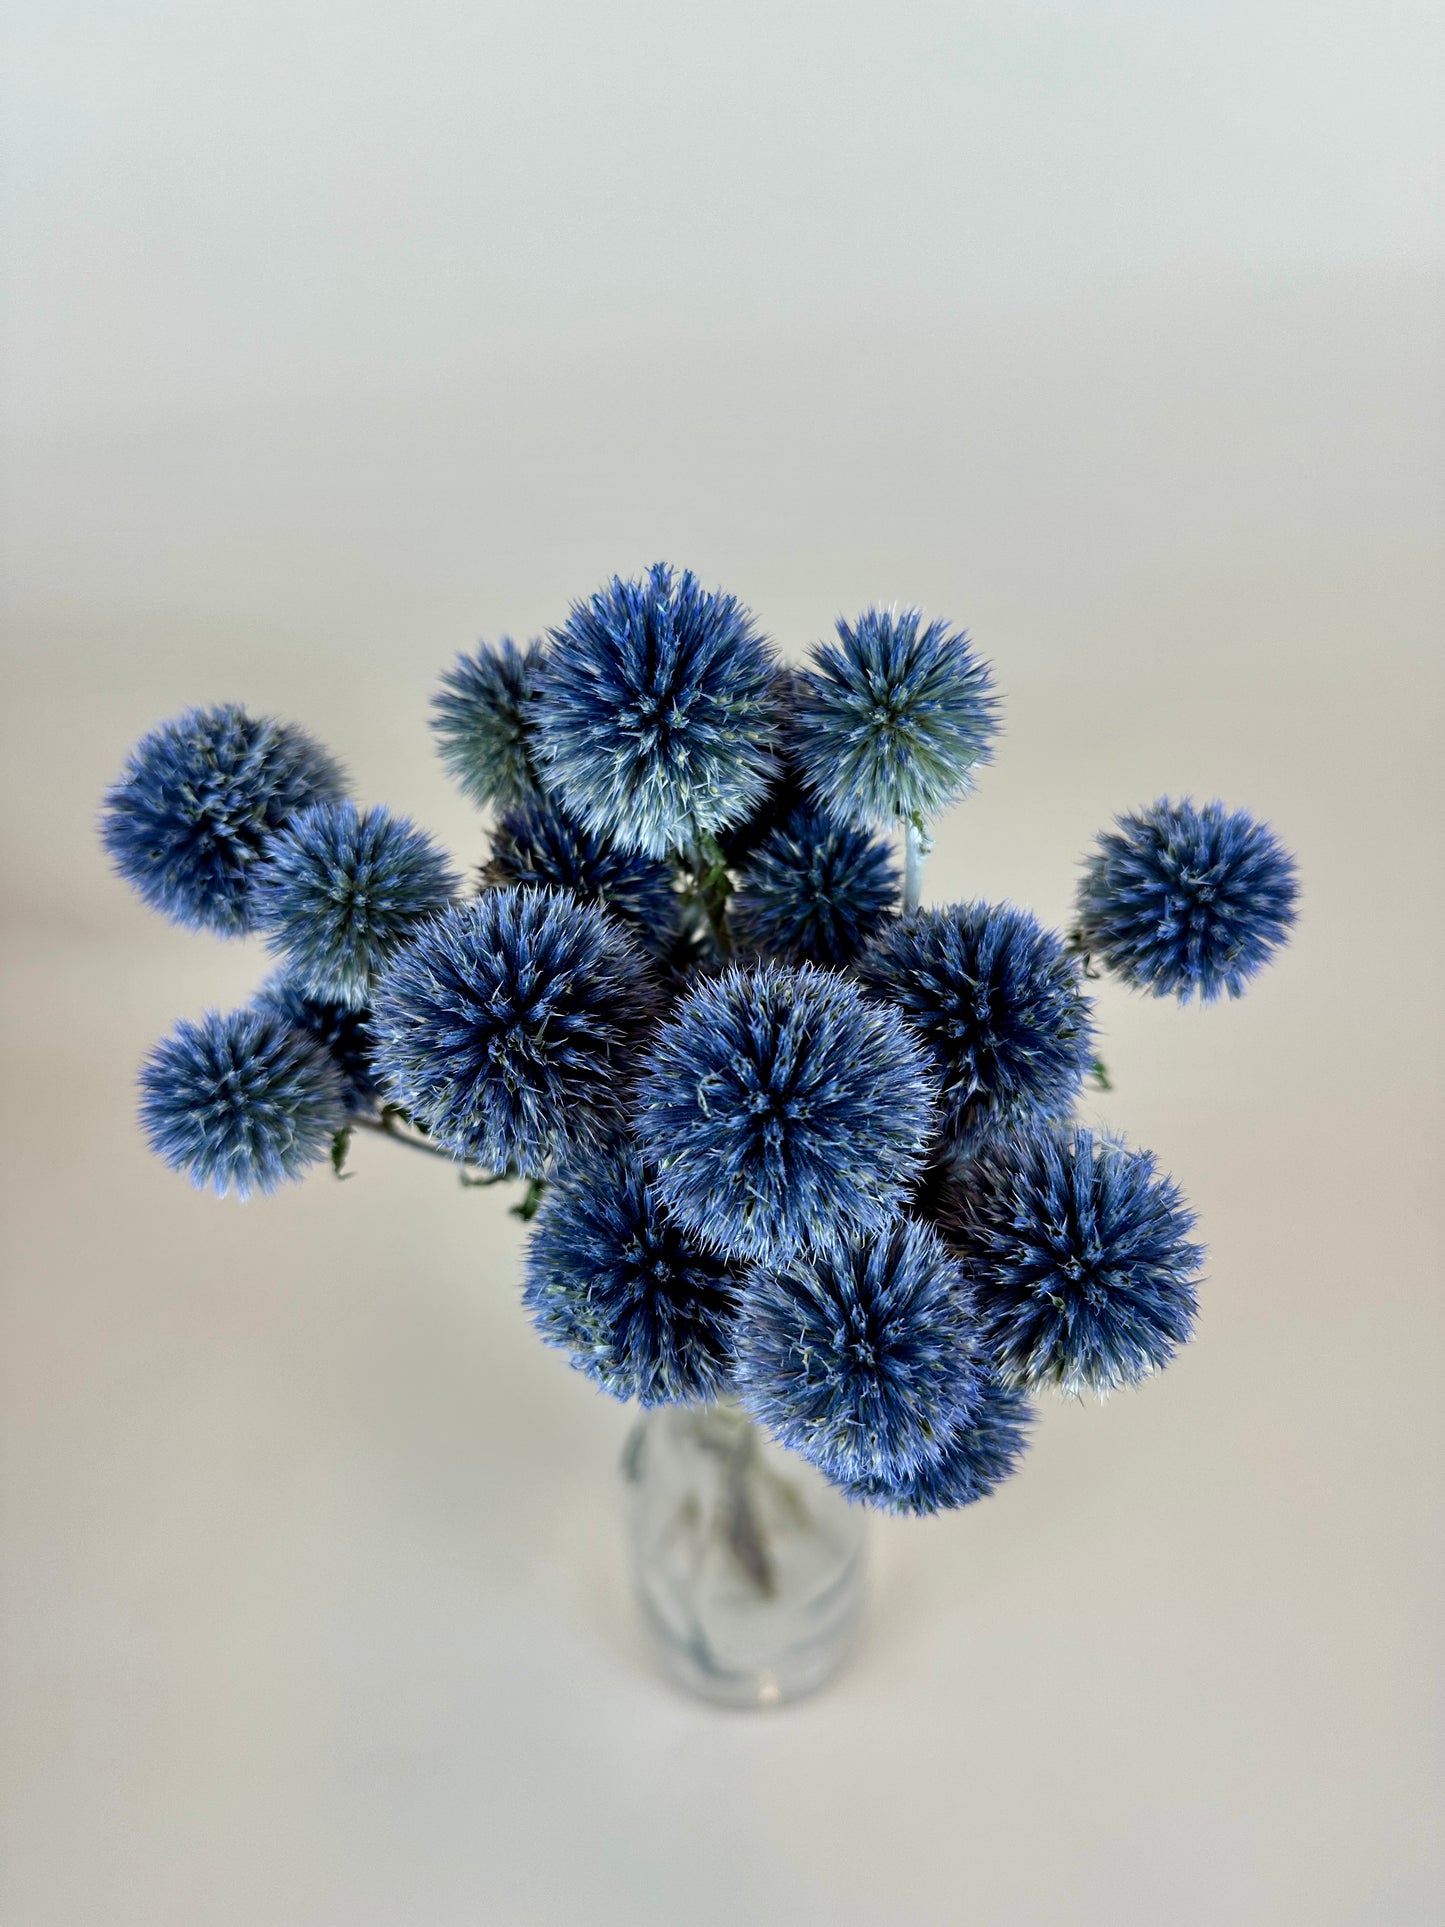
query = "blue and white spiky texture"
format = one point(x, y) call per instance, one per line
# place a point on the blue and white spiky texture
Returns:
point(338, 1029)
point(199, 801)
point(240, 1102)
point(641, 1307)
point(481, 722)
point(780, 1109)
point(539, 843)
point(814, 892)
point(785, 794)
point(505, 1027)
point(1000, 1005)
point(861, 1357)
point(1081, 1257)
point(1187, 902)
point(890, 722)
point(656, 714)
point(980, 1451)
point(341, 889)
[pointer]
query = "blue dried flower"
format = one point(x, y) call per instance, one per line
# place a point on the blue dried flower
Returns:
point(999, 1004)
point(504, 1027)
point(1079, 1252)
point(979, 1453)
point(239, 1102)
point(539, 843)
point(814, 892)
point(861, 1357)
point(480, 719)
point(785, 794)
point(1184, 902)
point(780, 1109)
point(341, 889)
point(891, 723)
point(642, 1308)
point(339, 1031)
point(655, 718)
point(197, 804)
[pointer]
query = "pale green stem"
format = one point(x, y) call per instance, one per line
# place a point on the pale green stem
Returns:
point(916, 845)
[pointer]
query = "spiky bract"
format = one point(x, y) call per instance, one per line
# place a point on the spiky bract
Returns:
point(1080, 1254)
point(339, 1030)
point(340, 889)
point(642, 1308)
point(980, 1451)
point(504, 1027)
point(197, 804)
point(815, 892)
point(481, 722)
point(1187, 902)
point(998, 1002)
point(891, 721)
point(240, 1102)
point(861, 1356)
point(539, 843)
point(655, 717)
point(781, 1109)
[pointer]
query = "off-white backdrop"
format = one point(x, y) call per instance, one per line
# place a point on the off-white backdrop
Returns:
point(340, 334)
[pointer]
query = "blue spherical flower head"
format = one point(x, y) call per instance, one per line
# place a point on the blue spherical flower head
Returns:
point(861, 1357)
point(642, 1308)
point(1080, 1254)
point(480, 716)
point(980, 1451)
point(785, 794)
point(780, 1109)
point(199, 801)
point(505, 1027)
point(998, 1002)
point(1186, 902)
point(341, 889)
point(814, 892)
point(336, 1029)
point(655, 719)
point(891, 723)
point(539, 843)
point(240, 1102)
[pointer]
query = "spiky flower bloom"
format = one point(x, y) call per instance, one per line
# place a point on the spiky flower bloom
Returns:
point(337, 1029)
point(197, 804)
point(780, 1109)
point(814, 892)
point(240, 1102)
point(861, 1357)
point(998, 1002)
point(785, 794)
point(655, 717)
point(504, 1028)
point(339, 891)
point(891, 722)
point(1186, 902)
point(1080, 1254)
point(641, 1307)
point(539, 843)
point(980, 1451)
point(480, 720)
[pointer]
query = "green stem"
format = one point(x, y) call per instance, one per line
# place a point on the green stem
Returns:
point(916, 845)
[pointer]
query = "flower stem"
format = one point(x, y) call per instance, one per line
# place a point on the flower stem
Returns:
point(916, 845)
point(387, 1126)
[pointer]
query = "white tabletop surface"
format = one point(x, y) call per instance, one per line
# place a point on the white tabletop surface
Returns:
point(342, 335)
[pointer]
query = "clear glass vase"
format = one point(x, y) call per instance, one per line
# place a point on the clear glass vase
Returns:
point(748, 1565)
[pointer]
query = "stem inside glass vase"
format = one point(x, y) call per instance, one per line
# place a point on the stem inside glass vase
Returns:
point(747, 1562)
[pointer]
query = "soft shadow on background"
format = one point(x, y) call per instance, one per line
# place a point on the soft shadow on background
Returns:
point(339, 336)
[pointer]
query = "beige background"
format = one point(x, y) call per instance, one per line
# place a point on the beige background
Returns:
point(340, 334)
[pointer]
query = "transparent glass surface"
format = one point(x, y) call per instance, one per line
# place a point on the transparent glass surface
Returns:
point(748, 1564)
